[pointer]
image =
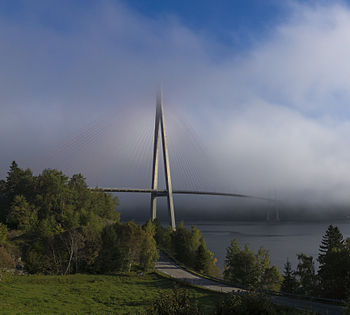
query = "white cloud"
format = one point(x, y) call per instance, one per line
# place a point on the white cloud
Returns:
point(276, 117)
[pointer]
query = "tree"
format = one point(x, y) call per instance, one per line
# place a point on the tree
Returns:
point(332, 239)
point(306, 274)
point(202, 259)
point(189, 247)
point(163, 237)
point(271, 279)
point(181, 244)
point(22, 215)
point(149, 253)
point(246, 269)
point(290, 283)
point(241, 265)
point(334, 270)
point(61, 218)
point(18, 182)
point(3, 233)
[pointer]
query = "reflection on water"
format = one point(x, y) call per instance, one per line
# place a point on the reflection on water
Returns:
point(282, 239)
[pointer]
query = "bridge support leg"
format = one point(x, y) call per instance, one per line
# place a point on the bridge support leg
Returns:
point(153, 206)
point(159, 123)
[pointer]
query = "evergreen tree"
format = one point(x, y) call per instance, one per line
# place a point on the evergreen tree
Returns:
point(202, 259)
point(18, 182)
point(290, 283)
point(334, 270)
point(332, 239)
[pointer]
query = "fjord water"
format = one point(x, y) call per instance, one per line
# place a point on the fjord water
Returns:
point(282, 239)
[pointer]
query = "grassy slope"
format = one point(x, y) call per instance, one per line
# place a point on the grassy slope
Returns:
point(102, 294)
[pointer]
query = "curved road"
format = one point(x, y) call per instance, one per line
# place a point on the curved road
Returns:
point(168, 267)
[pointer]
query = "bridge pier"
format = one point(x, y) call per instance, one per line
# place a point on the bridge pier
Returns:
point(160, 127)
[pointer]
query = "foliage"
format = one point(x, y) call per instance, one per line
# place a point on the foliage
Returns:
point(61, 219)
point(252, 303)
point(188, 246)
point(306, 274)
point(3, 233)
point(18, 182)
point(334, 259)
point(22, 215)
point(246, 269)
point(271, 279)
point(6, 260)
point(91, 294)
point(149, 253)
point(249, 303)
point(125, 244)
point(290, 283)
point(178, 301)
point(241, 265)
point(331, 240)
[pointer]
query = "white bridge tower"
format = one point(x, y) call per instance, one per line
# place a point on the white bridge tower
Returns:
point(160, 127)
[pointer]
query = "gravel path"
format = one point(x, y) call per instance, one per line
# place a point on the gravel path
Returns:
point(168, 267)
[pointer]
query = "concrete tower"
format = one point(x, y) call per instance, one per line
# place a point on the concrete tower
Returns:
point(160, 127)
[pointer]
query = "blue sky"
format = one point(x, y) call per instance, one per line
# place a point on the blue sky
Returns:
point(264, 84)
point(232, 23)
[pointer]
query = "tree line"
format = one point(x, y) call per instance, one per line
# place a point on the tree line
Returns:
point(332, 280)
point(252, 270)
point(53, 224)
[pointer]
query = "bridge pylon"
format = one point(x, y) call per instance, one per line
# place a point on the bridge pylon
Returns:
point(160, 128)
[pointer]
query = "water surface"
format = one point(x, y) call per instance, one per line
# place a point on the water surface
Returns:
point(282, 239)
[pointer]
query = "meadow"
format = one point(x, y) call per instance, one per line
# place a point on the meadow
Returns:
point(90, 294)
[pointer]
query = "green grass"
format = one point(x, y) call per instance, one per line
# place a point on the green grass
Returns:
point(89, 294)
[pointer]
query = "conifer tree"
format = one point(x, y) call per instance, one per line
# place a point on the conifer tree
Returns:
point(332, 239)
point(290, 283)
point(334, 270)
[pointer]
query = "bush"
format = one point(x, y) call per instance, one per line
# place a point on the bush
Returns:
point(5, 259)
point(177, 302)
point(245, 304)
point(3, 233)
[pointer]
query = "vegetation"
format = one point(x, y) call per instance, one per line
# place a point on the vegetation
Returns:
point(187, 246)
point(252, 270)
point(290, 283)
point(333, 277)
point(249, 270)
point(93, 294)
point(334, 259)
point(178, 301)
point(251, 303)
point(57, 225)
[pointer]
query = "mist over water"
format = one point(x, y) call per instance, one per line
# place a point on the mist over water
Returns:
point(266, 125)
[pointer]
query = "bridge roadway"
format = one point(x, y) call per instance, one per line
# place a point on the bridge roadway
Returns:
point(159, 192)
point(168, 267)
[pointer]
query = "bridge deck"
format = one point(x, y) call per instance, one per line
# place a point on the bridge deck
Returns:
point(160, 192)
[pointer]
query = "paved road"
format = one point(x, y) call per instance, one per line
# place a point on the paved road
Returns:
point(166, 266)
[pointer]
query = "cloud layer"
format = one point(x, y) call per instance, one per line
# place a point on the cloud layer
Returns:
point(271, 119)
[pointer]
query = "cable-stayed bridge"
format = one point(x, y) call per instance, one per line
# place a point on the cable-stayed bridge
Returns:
point(160, 132)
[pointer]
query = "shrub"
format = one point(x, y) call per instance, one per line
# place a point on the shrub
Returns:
point(5, 259)
point(3, 233)
point(176, 302)
point(250, 303)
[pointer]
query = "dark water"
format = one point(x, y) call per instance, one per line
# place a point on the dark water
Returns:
point(282, 239)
